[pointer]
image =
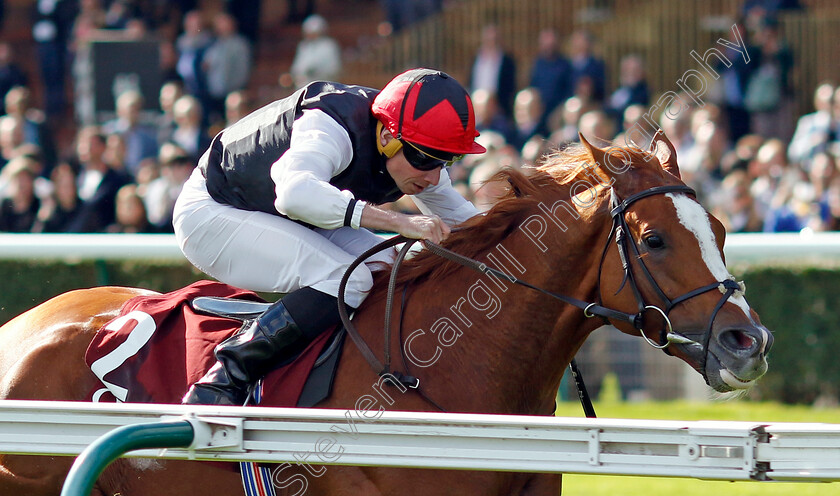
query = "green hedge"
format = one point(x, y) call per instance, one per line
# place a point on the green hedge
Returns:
point(27, 284)
point(800, 305)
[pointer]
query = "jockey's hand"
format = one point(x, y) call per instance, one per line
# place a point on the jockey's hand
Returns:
point(429, 227)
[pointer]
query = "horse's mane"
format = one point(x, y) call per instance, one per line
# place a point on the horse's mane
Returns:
point(525, 189)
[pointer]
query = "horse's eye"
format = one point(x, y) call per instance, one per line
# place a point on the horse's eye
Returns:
point(654, 242)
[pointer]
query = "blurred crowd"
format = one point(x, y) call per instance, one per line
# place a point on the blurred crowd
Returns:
point(754, 164)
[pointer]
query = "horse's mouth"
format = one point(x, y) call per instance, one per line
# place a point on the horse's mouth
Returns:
point(723, 379)
point(731, 380)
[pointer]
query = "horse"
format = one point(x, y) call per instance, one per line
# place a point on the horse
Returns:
point(587, 237)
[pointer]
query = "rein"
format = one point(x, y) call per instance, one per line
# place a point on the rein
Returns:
point(619, 231)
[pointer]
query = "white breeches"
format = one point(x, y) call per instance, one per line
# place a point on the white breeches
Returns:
point(263, 252)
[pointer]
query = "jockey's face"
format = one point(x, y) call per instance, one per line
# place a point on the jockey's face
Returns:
point(410, 180)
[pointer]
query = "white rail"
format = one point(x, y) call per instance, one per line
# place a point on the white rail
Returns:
point(705, 450)
point(749, 248)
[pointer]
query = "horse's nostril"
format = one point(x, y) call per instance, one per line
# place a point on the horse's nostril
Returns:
point(737, 340)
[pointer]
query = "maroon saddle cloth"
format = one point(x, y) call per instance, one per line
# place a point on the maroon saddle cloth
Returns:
point(159, 346)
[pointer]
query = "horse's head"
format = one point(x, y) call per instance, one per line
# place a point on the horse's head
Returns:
point(663, 266)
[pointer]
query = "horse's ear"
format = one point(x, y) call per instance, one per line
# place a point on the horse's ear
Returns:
point(597, 153)
point(664, 150)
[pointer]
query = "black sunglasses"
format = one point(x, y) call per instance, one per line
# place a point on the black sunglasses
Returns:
point(424, 161)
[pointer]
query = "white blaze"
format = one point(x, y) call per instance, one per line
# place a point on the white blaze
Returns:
point(694, 218)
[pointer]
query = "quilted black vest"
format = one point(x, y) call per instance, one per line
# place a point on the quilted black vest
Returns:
point(238, 162)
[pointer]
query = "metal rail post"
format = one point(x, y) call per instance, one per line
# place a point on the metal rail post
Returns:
point(93, 460)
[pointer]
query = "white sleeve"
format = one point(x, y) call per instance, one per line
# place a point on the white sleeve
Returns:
point(443, 201)
point(319, 150)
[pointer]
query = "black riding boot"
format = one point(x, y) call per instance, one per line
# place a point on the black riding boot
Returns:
point(262, 345)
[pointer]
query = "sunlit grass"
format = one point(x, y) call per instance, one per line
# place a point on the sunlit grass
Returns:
point(599, 485)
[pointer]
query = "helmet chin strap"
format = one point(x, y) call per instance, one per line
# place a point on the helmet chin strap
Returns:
point(391, 148)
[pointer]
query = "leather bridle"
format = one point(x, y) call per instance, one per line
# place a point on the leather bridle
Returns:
point(626, 247)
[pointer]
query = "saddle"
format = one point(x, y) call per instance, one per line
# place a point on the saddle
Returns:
point(160, 344)
point(318, 385)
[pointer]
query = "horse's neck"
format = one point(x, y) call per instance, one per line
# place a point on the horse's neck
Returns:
point(481, 344)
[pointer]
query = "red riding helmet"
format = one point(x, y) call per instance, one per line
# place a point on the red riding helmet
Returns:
point(430, 109)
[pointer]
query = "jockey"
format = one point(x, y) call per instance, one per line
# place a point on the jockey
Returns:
point(283, 199)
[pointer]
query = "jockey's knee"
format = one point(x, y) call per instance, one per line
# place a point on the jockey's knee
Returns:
point(358, 286)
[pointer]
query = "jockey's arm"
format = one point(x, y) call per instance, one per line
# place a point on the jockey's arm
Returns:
point(321, 149)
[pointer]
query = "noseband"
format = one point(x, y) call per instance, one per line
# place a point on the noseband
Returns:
point(627, 247)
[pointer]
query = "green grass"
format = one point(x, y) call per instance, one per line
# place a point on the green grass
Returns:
point(599, 485)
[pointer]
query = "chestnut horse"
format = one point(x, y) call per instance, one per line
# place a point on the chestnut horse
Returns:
point(616, 228)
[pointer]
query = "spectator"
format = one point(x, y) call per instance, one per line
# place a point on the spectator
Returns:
point(700, 167)
point(488, 115)
point(792, 207)
point(160, 194)
point(140, 139)
point(130, 213)
point(62, 205)
point(19, 209)
point(237, 106)
point(832, 223)
point(598, 125)
point(676, 124)
point(767, 170)
point(52, 23)
point(11, 74)
point(733, 80)
point(834, 131)
point(11, 138)
point(189, 133)
point(813, 131)
point(820, 176)
point(98, 184)
point(768, 95)
point(494, 70)
point(633, 118)
point(318, 56)
point(633, 89)
point(551, 72)
point(733, 205)
point(527, 117)
point(227, 63)
point(35, 128)
point(567, 130)
point(169, 62)
point(191, 46)
point(170, 91)
point(115, 151)
point(588, 71)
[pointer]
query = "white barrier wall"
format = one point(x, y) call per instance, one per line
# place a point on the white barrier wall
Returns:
point(740, 248)
point(748, 451)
